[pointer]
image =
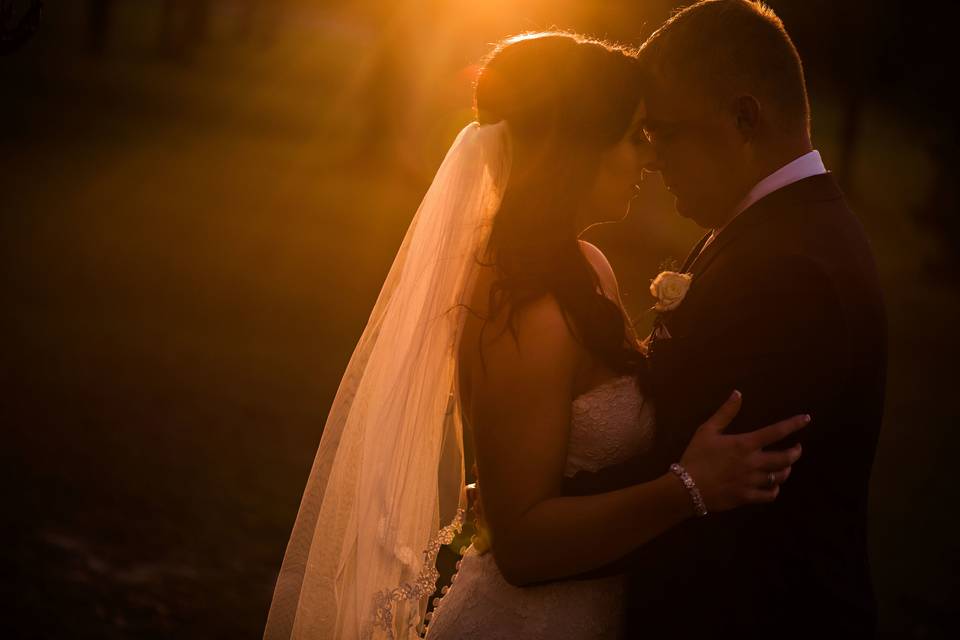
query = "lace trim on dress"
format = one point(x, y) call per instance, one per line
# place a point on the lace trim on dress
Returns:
point(425, 583)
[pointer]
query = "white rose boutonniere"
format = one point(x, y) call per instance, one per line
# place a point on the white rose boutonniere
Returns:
point(670, 288)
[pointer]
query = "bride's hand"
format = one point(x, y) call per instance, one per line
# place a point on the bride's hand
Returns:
point(733, 470)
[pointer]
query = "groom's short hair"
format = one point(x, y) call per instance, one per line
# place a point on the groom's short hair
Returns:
point(727, 46)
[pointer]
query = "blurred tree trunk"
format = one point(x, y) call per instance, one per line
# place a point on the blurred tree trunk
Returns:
point(864, 54)
point(99, 22)
point(18, 24)
point(184, 25)
point(258, 20)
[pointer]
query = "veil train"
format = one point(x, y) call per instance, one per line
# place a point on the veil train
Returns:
point(386, 488)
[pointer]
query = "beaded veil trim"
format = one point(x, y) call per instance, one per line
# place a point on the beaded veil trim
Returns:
point(424, 584)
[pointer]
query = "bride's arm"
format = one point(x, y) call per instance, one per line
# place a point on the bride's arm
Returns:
point(521, 415)
point(521, 412)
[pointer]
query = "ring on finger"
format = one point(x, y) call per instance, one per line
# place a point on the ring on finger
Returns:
point(771, 480)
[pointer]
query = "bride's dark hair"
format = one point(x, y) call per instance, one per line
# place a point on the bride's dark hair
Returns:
point(566, 99)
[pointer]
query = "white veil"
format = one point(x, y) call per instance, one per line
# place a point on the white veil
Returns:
point(386, 489)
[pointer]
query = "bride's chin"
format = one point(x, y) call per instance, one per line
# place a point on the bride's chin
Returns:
point(609, 215)
point(625, 212)
point(603, 220)
point(631, 203)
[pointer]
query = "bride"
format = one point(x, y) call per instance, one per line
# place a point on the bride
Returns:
point(495, 315)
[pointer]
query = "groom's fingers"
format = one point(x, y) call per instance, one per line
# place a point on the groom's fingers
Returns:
point(776, 432)
point(763, 495)
point(768, 461)
point(761, 480)
point(725, 414)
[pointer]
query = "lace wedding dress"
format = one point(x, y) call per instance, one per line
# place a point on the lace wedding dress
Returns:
point(609, 424)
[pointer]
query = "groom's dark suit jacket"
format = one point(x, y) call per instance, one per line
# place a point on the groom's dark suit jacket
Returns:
point(785, 305)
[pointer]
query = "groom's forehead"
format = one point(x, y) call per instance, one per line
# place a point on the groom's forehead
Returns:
point(666, 99)
point(656, 114)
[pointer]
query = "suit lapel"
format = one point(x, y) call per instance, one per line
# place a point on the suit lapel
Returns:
point(695, 252)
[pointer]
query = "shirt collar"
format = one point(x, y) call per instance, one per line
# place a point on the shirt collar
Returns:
point(809, 164)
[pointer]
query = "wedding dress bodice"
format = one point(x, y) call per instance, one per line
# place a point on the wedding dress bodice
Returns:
point(609, 424)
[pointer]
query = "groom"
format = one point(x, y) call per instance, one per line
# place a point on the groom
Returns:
point(785, 306)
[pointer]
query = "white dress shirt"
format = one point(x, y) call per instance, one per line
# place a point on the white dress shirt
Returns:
point(809, 164)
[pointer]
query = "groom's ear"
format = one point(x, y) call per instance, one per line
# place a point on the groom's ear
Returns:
point(746, 111)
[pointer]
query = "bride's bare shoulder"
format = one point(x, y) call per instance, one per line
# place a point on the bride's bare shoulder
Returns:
point(508, 346)
point(538, 323)
point(537, 333)
point(538, 359)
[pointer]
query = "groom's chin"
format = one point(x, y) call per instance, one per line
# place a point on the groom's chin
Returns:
point(681, 209)
point(685, 211)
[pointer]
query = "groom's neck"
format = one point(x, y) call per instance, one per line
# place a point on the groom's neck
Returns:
point(768, 159)
point(774, 154)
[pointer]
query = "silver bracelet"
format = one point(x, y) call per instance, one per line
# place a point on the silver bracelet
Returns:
point(699, 506)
